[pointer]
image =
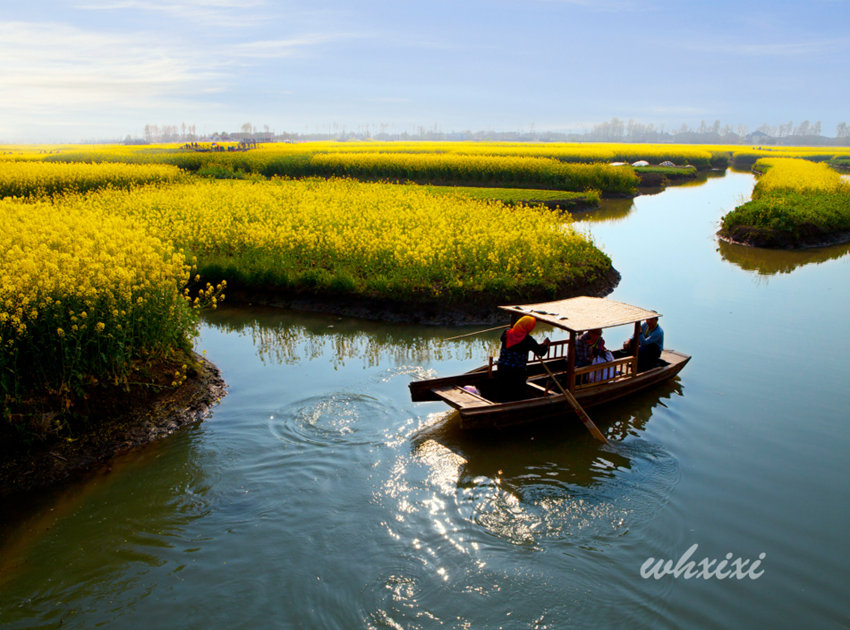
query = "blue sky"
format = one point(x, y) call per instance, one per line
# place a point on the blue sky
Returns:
point(96, 69)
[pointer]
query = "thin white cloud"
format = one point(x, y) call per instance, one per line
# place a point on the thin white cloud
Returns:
point(55, 65)
point(391, 100)
point(54, 71)
point(771, 49)
point(279, 48)
point(605, 6)
point(677, 110)
point(229, 13)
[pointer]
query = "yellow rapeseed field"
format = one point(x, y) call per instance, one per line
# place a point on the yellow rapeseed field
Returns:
point(796, 175)
point(482, 169)
point(35, 178)
point(94, 276)
point(380, 240)
point(701, 156)
point(259, 158)
point(563, 151)
point(82, 294)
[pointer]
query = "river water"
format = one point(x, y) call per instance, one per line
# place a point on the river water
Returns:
point(318, 496)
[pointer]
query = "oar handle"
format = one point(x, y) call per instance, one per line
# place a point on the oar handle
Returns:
point(582, 414)
point(477, 332)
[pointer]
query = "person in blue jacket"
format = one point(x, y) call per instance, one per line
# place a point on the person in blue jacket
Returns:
point(650, 344)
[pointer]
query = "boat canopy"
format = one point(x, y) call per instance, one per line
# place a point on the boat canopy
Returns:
point(583, 313)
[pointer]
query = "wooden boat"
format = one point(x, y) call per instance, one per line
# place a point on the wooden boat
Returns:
point(475, 395)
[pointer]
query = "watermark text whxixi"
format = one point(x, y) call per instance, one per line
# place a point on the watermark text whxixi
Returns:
point(728, 568)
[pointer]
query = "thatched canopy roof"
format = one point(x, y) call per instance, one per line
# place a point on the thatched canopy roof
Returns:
point(583, 313)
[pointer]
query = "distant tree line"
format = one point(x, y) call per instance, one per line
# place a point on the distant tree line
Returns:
point(170, 133)
point(806, 133)
point(614, 130)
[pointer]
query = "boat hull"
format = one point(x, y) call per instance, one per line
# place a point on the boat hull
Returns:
point(476, 412)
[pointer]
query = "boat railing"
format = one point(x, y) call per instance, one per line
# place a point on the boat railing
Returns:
point(597, 374)
point(592, 375)
point(557, 350)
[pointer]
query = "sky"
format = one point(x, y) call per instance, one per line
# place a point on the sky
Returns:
point(78, 70)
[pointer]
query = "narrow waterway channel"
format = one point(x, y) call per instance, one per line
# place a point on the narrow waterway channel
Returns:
point(319, 496)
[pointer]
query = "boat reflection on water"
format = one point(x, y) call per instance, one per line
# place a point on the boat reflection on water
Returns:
point(512, 449)
point(552, 481)
point(628, 418)
point(768, 262)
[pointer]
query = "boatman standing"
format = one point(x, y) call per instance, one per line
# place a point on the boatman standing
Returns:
point(512, 372)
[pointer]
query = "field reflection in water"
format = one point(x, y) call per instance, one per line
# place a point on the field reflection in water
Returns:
point(768, 262)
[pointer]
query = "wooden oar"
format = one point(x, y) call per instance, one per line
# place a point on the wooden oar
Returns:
point(582, 414)
point(477, 332)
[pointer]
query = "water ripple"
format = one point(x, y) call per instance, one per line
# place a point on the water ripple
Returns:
point(548, 492)
point(399, 596)
point(545, 503)
point(341, 418)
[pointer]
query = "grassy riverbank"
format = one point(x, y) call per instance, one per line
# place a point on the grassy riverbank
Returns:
point(480, 170)
point(555, 199)
point(654, 176)
point(109, 420)
point(795, 203)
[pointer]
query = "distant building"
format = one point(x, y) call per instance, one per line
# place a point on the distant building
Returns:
point(257, 137)
point(760, 137)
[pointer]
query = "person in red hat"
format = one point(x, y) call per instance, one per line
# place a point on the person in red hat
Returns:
point(512, 370)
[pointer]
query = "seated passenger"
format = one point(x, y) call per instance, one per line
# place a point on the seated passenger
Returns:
point(602, 355)
point(650, 344)
point(589, 345)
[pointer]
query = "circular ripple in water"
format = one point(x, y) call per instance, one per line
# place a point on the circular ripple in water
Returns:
point(399, 598)
point(339, 418)
point(545, 504)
